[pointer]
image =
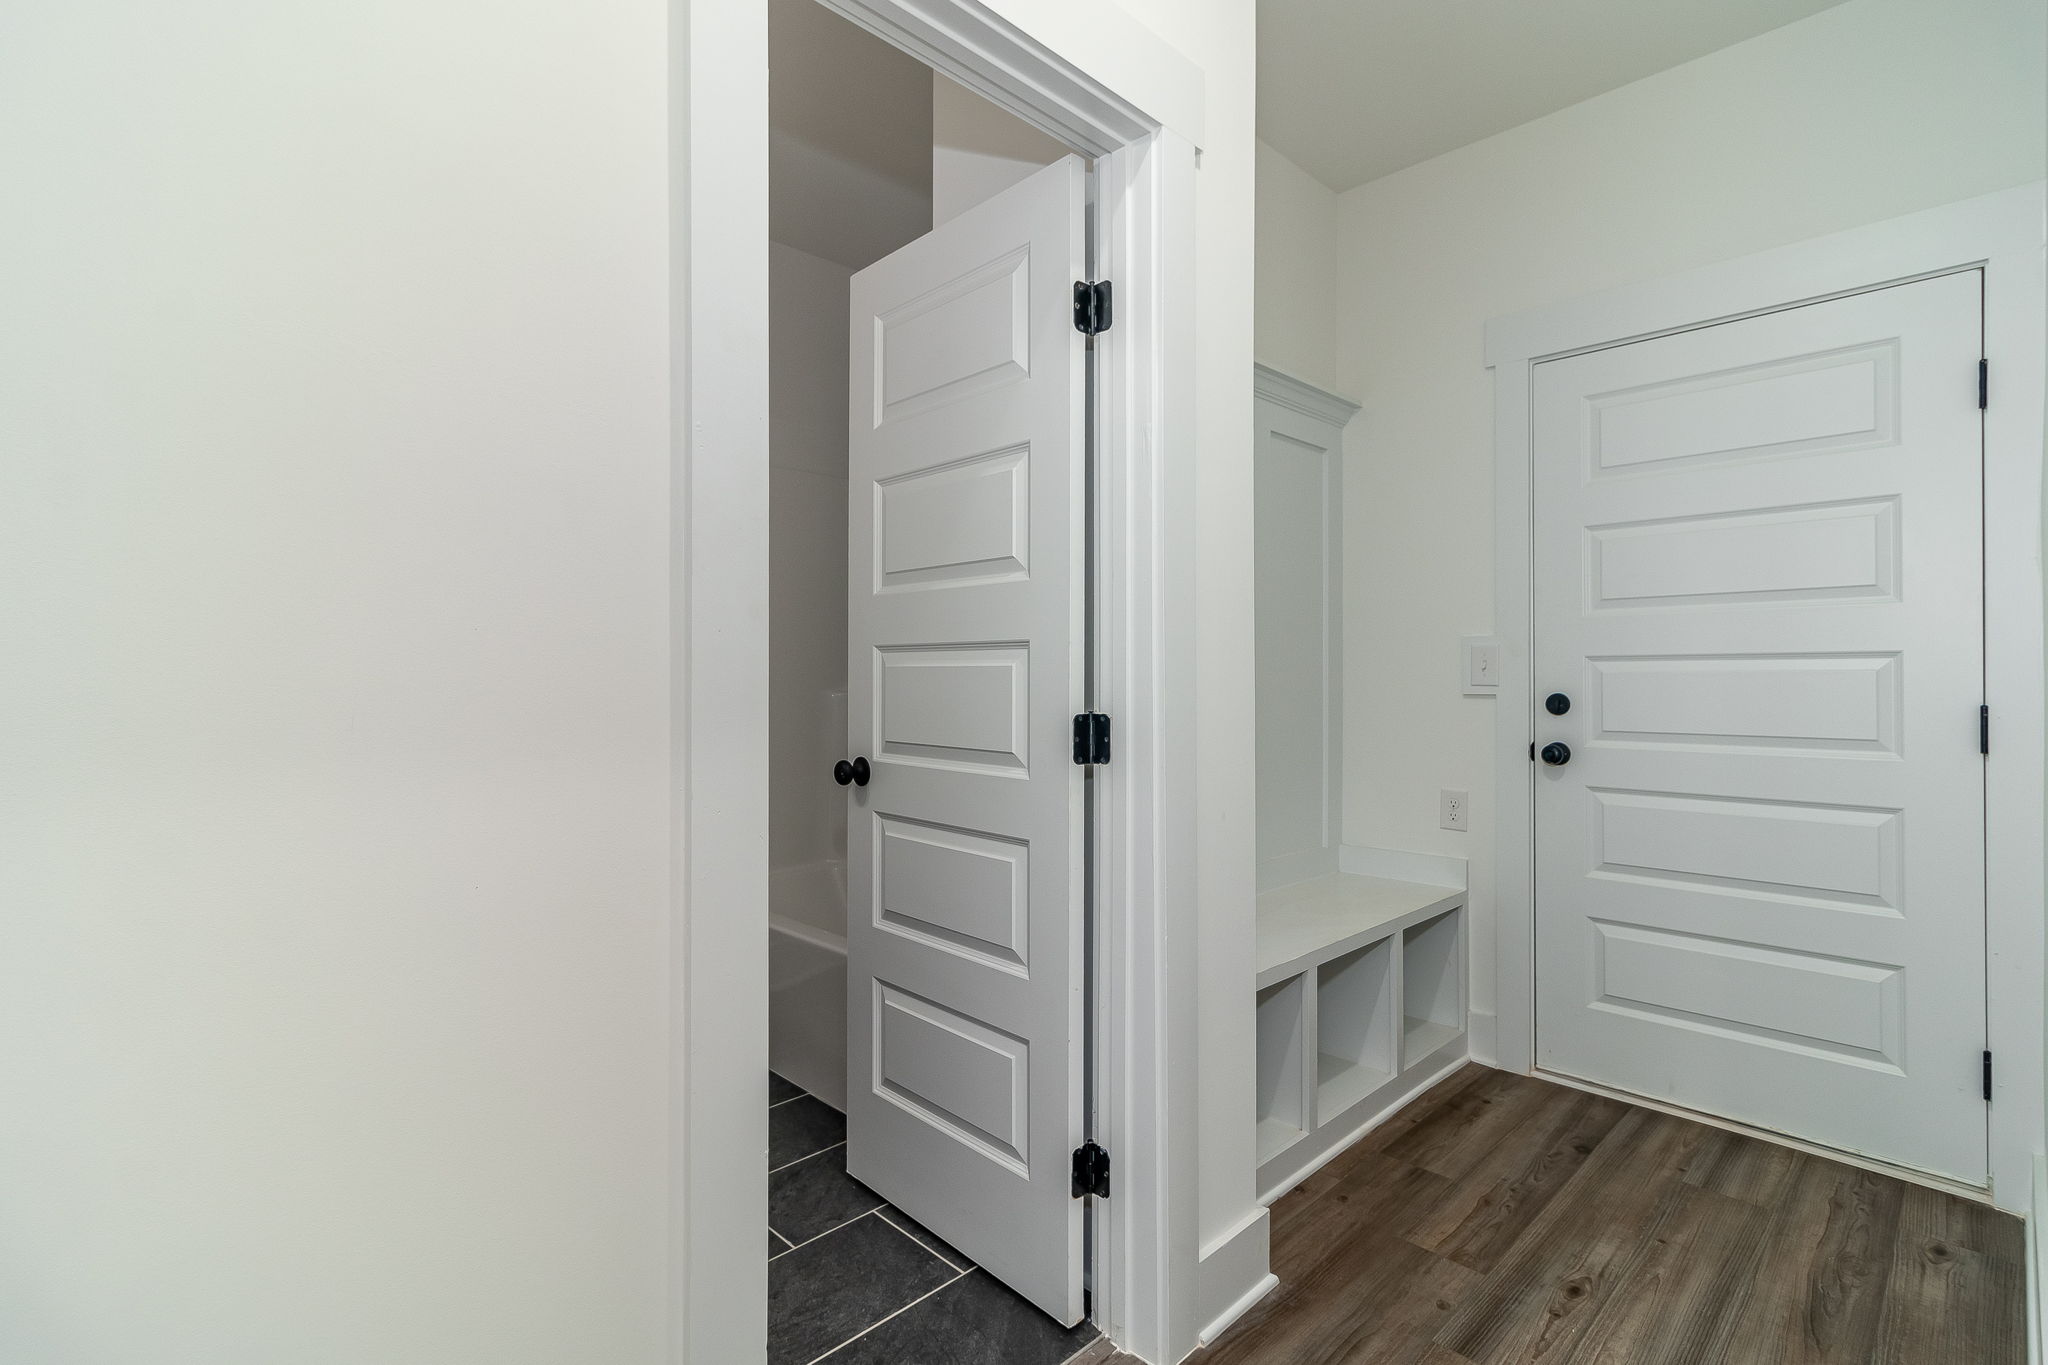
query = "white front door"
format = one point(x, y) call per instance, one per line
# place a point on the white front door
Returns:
point(1759, 586)
point(965, 657)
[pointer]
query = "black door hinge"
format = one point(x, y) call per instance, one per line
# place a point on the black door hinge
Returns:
point(1091, 738)
point(1091, 1171)
point(1091, 307)
point(1532, 751)
point(1987, 1084)
point(1983, 384)
point(1983, 729)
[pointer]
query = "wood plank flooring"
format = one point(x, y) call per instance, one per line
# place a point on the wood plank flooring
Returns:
point(1503, 1220)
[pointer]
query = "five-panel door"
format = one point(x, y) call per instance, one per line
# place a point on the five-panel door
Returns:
point(1758, 590)
point(965, 657)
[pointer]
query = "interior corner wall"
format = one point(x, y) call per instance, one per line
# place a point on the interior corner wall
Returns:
point(334, 727)
point(1862, 112)
point(1294, 327)
point(979, 149)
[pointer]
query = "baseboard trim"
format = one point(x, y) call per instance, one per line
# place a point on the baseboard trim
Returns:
point(1230, 1315)
point(1396, 865)
point(1234, 1272)
point(1483, 1028)
point(2037, 1265)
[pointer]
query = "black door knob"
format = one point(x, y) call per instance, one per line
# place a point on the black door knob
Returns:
point(1556, 755)
point(855, 772)
point(1557, 703)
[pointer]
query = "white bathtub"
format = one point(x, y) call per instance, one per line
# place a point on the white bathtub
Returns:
point(807, 977)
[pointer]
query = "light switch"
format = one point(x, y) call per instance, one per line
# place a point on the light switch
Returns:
point(1481, 654)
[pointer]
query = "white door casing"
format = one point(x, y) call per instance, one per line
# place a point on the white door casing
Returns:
point(965, 665)
point(1758, 576)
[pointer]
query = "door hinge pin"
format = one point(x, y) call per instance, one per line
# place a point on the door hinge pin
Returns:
point(1091, 739)
point(1987, 1077)
point(1983, 729)
point(1091, 307)
point(1091, 1171)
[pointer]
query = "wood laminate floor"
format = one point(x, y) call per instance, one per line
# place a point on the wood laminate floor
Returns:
point(1505, 1219)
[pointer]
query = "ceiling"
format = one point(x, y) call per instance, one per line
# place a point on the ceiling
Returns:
point(1351, 90)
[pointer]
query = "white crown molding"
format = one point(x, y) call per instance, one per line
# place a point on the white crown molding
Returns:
point(1289, 392)
point(983, 50)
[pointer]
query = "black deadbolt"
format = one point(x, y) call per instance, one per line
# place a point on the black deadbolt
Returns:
point(1556, 755)
point(1557, 703)
point(855, 772)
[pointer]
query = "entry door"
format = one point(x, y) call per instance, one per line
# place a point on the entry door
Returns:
point(1759, 584)
point(965, 658)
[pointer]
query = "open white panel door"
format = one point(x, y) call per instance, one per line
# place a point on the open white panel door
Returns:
point(965, 655)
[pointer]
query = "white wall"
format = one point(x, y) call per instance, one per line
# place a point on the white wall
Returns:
point(1294, 326)
point(978, 149)
point(807, 555)
point(1860, 113)
point(334, 723)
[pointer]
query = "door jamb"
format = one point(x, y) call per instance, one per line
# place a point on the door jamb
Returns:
point(1145, 1239)
point(2002, 234)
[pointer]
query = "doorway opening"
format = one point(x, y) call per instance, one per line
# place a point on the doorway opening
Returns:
point(928, 594)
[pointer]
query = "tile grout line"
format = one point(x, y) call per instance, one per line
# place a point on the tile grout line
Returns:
point(873, 1212)
point(883, 1214)
point(905, 1308)
point(806, 1157)
point(777, 1104)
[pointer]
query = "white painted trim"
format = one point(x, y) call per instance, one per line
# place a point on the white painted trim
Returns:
point(718, 760)
point(1147, 1253)
point(2037, 1266)
point(1326, 415)
point(1277, 386)
point(1396, 865)
point(1482, 1030)
point(1234, 1273)
point(985, 52)
point(2003, 234)
point(1389, 1103)
point(1224, 1320)
point(1147, 1274)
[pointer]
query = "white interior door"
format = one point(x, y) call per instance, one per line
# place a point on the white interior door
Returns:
point(965, 658)
point(1759, 581)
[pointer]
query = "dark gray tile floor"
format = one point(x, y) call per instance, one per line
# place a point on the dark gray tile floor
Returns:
point(801, 1125)
point(853, 1281)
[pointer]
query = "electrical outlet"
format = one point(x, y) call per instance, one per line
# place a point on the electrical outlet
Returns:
point(1451, 808)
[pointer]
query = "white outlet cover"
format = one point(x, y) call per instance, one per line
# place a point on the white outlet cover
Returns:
point(1479, 665)
point(1454, 809)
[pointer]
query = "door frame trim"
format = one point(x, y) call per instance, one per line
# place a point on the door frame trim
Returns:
point(1141, 119)
point(2001, 234)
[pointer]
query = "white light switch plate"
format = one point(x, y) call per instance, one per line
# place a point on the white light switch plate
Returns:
point(1479, 665)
